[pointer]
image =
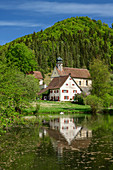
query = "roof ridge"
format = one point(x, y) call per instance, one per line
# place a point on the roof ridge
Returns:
point(76, 68)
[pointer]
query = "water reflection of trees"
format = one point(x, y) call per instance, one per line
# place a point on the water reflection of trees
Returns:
point(42, 148)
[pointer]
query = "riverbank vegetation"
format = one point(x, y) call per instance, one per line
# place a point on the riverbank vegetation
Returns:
point(102, 89)
point(17, 90)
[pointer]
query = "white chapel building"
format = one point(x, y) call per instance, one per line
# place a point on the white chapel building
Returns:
point(61, 88)
point(66, 82)
point(81, 76)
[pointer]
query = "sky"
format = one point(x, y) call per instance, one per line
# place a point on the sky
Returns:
point(22, 17)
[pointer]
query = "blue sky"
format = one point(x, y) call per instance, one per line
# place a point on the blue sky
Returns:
point(22, 17)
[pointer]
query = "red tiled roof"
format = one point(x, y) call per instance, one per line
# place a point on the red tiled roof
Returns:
point(56, 83)
point(75, 72)
point(37, 74)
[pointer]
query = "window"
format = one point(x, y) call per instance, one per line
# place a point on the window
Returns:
point(66, 121)
point(64, 127)
point(74, 91)
point(73, 84)
point(51, 91)
point(86, 82)
point(64, 91)
point(80, 83)
point(70, 78)
point(66, 97)
point(66, 84)
point(57, 91)
point(57, 120)
point(71, 120)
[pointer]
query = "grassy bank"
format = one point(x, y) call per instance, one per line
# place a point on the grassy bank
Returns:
point(56, 107)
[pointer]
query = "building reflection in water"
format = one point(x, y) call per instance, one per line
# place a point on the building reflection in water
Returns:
point(67, 133)
point(69, 129)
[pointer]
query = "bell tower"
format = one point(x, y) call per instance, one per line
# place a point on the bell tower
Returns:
point(59, 63)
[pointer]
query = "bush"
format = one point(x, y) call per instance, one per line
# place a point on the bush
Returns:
point(108, 100)
point(95, 103)
point(79, 99)
point(36, 109)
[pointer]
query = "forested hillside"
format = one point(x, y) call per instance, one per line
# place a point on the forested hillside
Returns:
point(77, 40)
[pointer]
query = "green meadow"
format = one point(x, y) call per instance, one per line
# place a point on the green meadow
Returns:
point(57, 107)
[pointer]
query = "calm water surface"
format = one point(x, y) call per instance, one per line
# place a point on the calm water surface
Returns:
point(60, 143)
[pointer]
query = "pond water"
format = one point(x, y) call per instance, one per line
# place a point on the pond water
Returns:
point(62, 143)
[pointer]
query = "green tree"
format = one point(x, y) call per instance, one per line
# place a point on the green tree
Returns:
point(16, 89)
point(19, 55)
point(100, 94)
point(95, 103)
point(100, 78)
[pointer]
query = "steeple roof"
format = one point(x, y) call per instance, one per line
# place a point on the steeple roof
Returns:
point(59, 60)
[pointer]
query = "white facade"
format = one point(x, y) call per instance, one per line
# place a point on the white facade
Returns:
point(83, 82)
point(66, 92)
point(55, 73)
point(40, 82)
point(71, 88)
point(54, 94)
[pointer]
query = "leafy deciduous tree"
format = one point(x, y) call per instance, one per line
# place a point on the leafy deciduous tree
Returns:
point(100, 78)
point(19, 55)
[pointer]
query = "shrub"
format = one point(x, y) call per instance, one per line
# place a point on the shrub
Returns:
point(108, 100)
point(36, 109)
point(79, 98)
point(95, 103)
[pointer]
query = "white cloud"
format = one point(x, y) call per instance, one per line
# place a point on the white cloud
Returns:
point(20, 24)
point(68, 8)
point(47, 7)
